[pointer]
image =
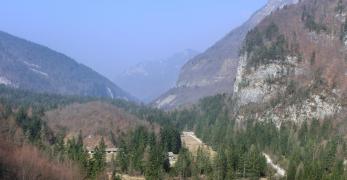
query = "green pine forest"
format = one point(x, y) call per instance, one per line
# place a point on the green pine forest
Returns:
point(312, 150)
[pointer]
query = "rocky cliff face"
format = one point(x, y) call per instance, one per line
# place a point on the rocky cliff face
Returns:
point(294, 72)
point(30, 66)
point(214, 71)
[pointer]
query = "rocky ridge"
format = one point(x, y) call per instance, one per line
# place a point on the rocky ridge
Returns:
point(299, 73)
point(214, 71)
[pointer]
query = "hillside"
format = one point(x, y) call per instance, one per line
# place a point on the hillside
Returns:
point(29, 162)
point(94, 120)
point(283, 117)
point(288, 102)
point(295, 73)
point(30, 66)
point(214, 71)
point(40, 143)
point(149, 79)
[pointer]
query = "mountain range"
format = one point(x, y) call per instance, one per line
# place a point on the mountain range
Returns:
point(149, 79)
point(34, 67)
point(214, 71)
point(279, 113)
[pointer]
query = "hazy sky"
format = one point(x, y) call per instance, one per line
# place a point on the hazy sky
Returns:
point(110, 35)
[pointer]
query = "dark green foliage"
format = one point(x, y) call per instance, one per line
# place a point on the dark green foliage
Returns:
point(263, 47)
point(203, 162)
point(277, 51)
point(254, 163)
point(220, 165)
point(240, 150)
point(171, 138)
point(312, 150)
point(100, 156)
point(38, 102)
point(75, 151)
point(253, 40)
point(31, 125)
point(310, 23)
point(184, 164)
point(140, 152)
point(122, 157)
point(156, 163)
point(271, 31)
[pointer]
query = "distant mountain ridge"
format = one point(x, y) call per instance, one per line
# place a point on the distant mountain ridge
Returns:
point(149, 79)
point(30, 66)
point(214, 71)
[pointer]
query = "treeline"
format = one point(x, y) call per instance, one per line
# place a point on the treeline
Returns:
point(311, 150)
point(308, 17)
point(42, 102)
point(93, 165)
point(26, 148)
point(142, 152)
point(228, 163)
point(34, 132)
point(263, 46)
point(39, 102)
point(27, 108)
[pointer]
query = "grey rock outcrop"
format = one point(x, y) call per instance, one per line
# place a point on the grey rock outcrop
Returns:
point(214, 71)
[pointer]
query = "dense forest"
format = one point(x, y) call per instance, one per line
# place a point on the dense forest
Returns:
point(313, 150)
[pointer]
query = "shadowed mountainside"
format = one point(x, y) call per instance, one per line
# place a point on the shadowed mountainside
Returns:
point(30, 66)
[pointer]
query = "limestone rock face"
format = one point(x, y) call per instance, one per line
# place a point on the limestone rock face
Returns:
point(261, 85)
point(299, 73)
point(214, 71)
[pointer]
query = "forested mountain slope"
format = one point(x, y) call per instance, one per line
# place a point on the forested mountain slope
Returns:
point(295, 72)
point(30, 66)
point(288, 104)
point(94, 120)
point(289, 99)
point(57, 131)
point(214, 71)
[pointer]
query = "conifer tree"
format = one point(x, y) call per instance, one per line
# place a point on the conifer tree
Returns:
point(100, 156)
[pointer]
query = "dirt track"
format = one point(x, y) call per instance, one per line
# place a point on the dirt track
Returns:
point(193, 143)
